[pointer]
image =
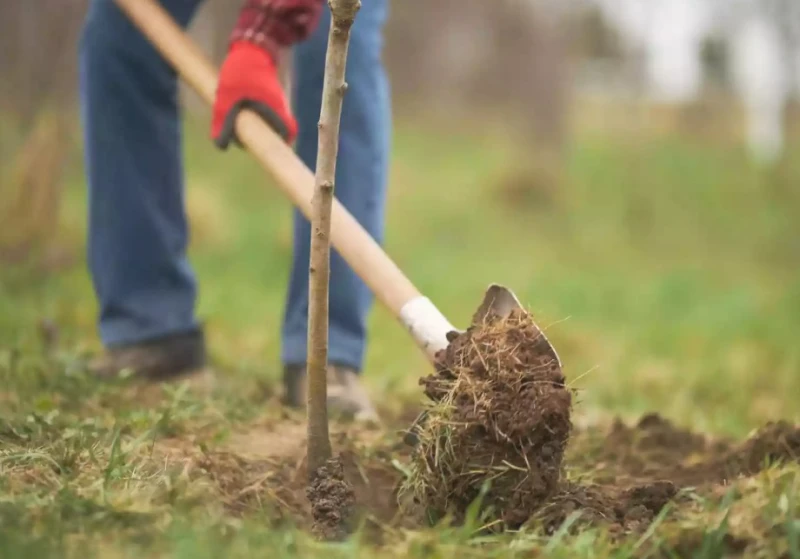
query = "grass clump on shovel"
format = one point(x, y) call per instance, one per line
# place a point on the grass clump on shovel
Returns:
point(499, 413)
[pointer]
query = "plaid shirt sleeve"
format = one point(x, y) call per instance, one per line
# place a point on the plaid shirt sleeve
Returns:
point(275, 24)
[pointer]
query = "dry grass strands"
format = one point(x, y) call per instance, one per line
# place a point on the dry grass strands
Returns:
point(500, 413)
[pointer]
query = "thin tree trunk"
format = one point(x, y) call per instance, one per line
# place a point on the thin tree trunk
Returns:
point(333, 90)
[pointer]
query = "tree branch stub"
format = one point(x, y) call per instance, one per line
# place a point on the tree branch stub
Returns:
point(344, 13)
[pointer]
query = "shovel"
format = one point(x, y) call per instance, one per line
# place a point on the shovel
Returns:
point(421, 318)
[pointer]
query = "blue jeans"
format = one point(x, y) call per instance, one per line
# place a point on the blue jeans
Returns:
point(138, 229)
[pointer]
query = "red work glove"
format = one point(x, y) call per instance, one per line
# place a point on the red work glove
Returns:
point(249, 79)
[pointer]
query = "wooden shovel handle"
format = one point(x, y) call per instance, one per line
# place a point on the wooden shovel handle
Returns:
point(364, 255)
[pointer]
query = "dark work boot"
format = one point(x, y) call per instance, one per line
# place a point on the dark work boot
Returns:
point(169, 358)
point(347, 398)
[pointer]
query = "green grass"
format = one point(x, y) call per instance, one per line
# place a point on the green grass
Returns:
point(664, 270)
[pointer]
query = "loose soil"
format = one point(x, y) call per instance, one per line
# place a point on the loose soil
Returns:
point(625, 477)
point(500, 411)
point(619, 477)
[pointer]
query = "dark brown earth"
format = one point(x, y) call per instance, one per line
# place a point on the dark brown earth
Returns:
point(631, 473)
point(619, 477)
point(501, 411)
point(332, 501)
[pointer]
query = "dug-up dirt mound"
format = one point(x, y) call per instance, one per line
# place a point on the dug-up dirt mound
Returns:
point(500, 413)
point(624, 478)
point(619, 478)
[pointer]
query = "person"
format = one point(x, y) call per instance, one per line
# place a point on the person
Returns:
point(138, 230)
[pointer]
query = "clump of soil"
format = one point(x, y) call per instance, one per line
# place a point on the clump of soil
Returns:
point(633, 472)
point(500, 412)
point(637, 451)
point(656, 449)
point(332, 501)
point(624, 509)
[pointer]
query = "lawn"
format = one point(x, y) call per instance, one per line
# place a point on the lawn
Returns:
point(664, 269)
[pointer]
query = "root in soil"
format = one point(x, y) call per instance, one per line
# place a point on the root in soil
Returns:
point(500, 413)
point(332, 501)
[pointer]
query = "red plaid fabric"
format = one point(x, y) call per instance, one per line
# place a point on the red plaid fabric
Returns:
point(275, 24)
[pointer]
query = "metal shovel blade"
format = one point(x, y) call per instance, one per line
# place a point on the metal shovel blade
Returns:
point(499, 301)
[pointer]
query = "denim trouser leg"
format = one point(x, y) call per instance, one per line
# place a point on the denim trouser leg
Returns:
point(361, 177)
point(137, 225)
